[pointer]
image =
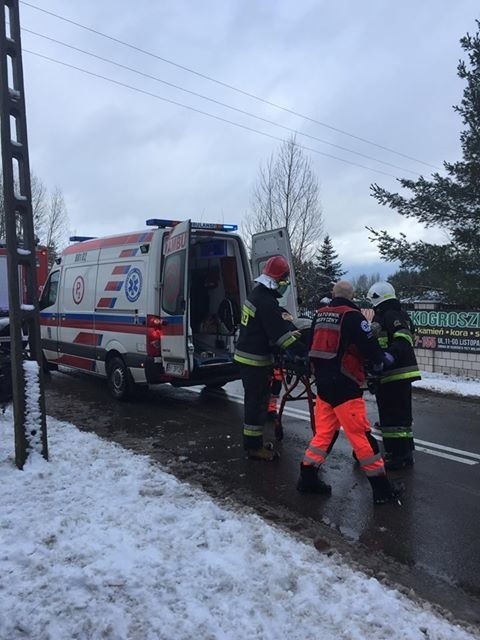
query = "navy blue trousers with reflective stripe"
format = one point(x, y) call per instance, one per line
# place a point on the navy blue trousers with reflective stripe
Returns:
point(394, 402)
point(256, 386)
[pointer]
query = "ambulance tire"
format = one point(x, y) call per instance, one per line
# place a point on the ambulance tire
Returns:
point(119, 379)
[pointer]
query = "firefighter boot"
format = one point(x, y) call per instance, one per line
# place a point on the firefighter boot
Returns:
point(309, 482)
point(398, 453)
point(385, 491)
point(266, 453)
point(399, 462)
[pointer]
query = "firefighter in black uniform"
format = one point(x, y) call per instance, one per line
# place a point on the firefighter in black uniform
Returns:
point(263, 328)
point(394, 392)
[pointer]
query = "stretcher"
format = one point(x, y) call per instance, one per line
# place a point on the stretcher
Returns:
point(297, 384)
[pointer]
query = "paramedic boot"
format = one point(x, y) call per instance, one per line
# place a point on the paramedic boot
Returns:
point(266, 453)
point(309, 482)
point(385, 491)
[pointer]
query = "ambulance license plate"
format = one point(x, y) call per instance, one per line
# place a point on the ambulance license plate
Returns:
point(175, 368)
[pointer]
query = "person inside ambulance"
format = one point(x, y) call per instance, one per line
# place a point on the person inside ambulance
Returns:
point(263, 328)
point(394, 391)
point(342, 343)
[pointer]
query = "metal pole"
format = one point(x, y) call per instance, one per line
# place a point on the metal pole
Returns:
point(28, 396)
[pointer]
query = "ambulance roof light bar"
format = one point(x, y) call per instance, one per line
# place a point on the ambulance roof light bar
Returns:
point(211, 226)
point(81, 238)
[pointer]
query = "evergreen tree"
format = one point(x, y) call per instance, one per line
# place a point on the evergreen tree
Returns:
point(411, 285)
point(305, 275)
point(328, 268)
point(450, 202)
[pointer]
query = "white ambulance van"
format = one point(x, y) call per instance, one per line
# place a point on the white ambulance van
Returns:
point(153, 306)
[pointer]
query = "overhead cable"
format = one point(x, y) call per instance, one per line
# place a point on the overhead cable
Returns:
point(205, 113)
point(226, 85)
point(218, 102)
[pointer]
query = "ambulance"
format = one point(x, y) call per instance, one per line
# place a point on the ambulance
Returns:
point(160, 305)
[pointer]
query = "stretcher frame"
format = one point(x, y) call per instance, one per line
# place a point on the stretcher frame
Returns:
point(297, 383)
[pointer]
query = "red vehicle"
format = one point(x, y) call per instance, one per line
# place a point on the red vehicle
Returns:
point(42, 273)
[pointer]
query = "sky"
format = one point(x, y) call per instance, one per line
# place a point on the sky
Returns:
point(100, 542)
point(384, 72)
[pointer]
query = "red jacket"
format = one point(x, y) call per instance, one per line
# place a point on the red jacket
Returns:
point(343, 345)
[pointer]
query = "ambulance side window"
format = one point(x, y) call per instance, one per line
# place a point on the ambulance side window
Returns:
point(50, 290)
point(173, 298)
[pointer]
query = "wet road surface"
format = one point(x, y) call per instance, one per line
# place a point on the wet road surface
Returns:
point(429, 545)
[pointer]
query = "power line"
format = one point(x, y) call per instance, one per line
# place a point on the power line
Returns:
point(218, 102)
point(226, 85)
point(205, 113)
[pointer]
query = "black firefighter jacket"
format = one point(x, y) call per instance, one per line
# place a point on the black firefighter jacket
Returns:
point(263, 328)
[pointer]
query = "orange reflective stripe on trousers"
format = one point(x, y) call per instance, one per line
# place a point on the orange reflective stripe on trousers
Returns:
point(352, 416)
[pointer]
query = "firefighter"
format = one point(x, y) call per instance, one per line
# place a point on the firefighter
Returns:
point(394, 391)
point(262, 329)
point(342, 342)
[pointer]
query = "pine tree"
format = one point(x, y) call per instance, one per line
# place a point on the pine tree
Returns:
point(328, 268)
point(450, 202)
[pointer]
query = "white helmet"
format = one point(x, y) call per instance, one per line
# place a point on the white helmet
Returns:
point(379, 292)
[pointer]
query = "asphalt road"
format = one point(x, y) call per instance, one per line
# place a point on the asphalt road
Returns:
point(429, 546)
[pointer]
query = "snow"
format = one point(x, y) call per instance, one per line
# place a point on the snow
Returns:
point(101, 543)
point(442, 383)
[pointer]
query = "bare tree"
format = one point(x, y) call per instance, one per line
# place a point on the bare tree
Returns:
point(50, 218)
point(287, 195)
point(56, 222)
point(39, 203)
point(362, 283)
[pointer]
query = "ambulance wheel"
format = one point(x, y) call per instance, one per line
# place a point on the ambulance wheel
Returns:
point(119, 379)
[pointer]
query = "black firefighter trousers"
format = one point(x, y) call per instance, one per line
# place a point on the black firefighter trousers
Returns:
point(256, 386)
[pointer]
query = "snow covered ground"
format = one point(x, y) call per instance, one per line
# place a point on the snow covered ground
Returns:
point(100, 543)
point(448, 384)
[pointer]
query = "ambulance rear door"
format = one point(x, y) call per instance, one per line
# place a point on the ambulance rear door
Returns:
point(176, 343)
point(273, 243)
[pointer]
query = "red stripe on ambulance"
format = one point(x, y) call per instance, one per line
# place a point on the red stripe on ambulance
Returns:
point(102, 243)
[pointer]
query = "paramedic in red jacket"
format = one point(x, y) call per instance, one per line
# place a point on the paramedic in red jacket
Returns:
point(342, 343)
point(263, 328)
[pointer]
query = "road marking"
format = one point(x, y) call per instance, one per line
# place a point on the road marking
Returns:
point(446, 455)
point(431, 448)
point(440, 450)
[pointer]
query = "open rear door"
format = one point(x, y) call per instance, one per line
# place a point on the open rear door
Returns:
point(273, 243)
point(174, 307)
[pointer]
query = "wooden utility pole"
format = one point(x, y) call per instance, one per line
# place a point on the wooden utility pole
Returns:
point(27, 370)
